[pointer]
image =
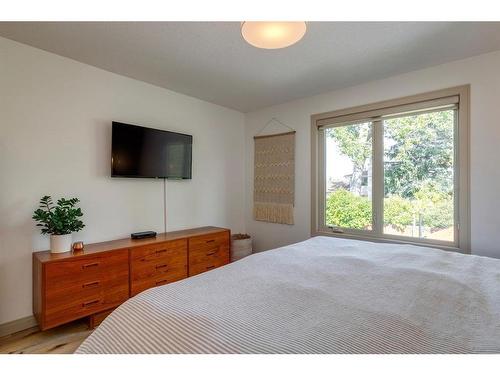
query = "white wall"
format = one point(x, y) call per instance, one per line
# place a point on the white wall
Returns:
point(482, 72)
point(55, 129)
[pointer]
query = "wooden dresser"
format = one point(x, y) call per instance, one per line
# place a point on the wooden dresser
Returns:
point(92, 282)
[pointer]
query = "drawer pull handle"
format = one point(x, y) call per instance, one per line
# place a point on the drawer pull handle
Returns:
point(212, 253)
point(208, 241)
point(210, 267)
point(161, 251)
point(95, 264)
point(90, 303)
point(93, 283)
point(161, 266)
point(161, 282)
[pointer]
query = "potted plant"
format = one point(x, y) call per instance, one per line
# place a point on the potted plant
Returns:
point(60, 221)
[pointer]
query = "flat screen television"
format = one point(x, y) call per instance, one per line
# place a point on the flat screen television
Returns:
point(137, 151)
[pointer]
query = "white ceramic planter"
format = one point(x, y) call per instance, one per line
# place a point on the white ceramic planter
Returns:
point(60, 243)
point(240, 248)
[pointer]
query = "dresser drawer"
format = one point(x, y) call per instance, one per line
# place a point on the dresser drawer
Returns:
point(84, 285)
point(84, 305)
point(153, 252)
point(157, 279)
point(144, 271)
point(157, 265)
point(208, 241)
point(65, 274)
point(206, 265)
point(86, 289)
point(208, 252)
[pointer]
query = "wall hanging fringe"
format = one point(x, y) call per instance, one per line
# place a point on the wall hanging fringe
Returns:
point(274, 176)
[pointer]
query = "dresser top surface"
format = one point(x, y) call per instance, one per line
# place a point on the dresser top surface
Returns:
point(125, 243)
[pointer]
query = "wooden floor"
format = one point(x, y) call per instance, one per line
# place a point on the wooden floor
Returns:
point(63, 339)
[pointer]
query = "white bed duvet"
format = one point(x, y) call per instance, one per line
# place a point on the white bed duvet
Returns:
point(323, 295)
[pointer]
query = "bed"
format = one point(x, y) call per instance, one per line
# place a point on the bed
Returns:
point(323, 295)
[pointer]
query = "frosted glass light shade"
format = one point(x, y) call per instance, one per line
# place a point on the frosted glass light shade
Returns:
point(272, 35)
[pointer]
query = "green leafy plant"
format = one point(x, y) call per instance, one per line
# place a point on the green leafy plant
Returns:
point(344, 209)
point(62, 218)
point(418, 174)
point(398, 212)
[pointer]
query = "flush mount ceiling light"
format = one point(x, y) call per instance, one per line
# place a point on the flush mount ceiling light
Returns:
point(272, 35)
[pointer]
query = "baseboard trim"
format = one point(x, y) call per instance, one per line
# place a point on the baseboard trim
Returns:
point(17, 325)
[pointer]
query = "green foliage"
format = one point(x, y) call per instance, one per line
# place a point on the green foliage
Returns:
point(346, 210)
point(440, 216)
point(435, 206)
point(418, 173)
point(62, 218)
point(354, 141)
point(398, 212)
point(422, 151)
point(431, 208)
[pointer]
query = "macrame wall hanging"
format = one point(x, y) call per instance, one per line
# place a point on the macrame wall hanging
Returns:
point(274, 175)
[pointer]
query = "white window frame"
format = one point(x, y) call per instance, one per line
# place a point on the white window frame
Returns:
point(456, 98)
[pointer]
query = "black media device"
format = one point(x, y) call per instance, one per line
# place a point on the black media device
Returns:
point(137, 151)
point(139, 235)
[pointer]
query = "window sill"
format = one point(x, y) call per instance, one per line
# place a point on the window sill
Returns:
point(372, 238)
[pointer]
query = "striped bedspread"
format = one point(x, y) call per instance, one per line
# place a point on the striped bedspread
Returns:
point(323, 295)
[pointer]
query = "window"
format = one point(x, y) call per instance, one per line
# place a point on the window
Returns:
point(348, 176)
point(394, 171)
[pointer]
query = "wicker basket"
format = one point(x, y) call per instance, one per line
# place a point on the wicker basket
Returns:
point(240, 247)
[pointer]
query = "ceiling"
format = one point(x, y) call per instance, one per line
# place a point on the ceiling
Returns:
point(210, 60)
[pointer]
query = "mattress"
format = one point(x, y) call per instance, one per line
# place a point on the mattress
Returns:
point(323, 295)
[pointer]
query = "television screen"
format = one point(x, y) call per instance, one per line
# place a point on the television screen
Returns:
point(145, 152)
